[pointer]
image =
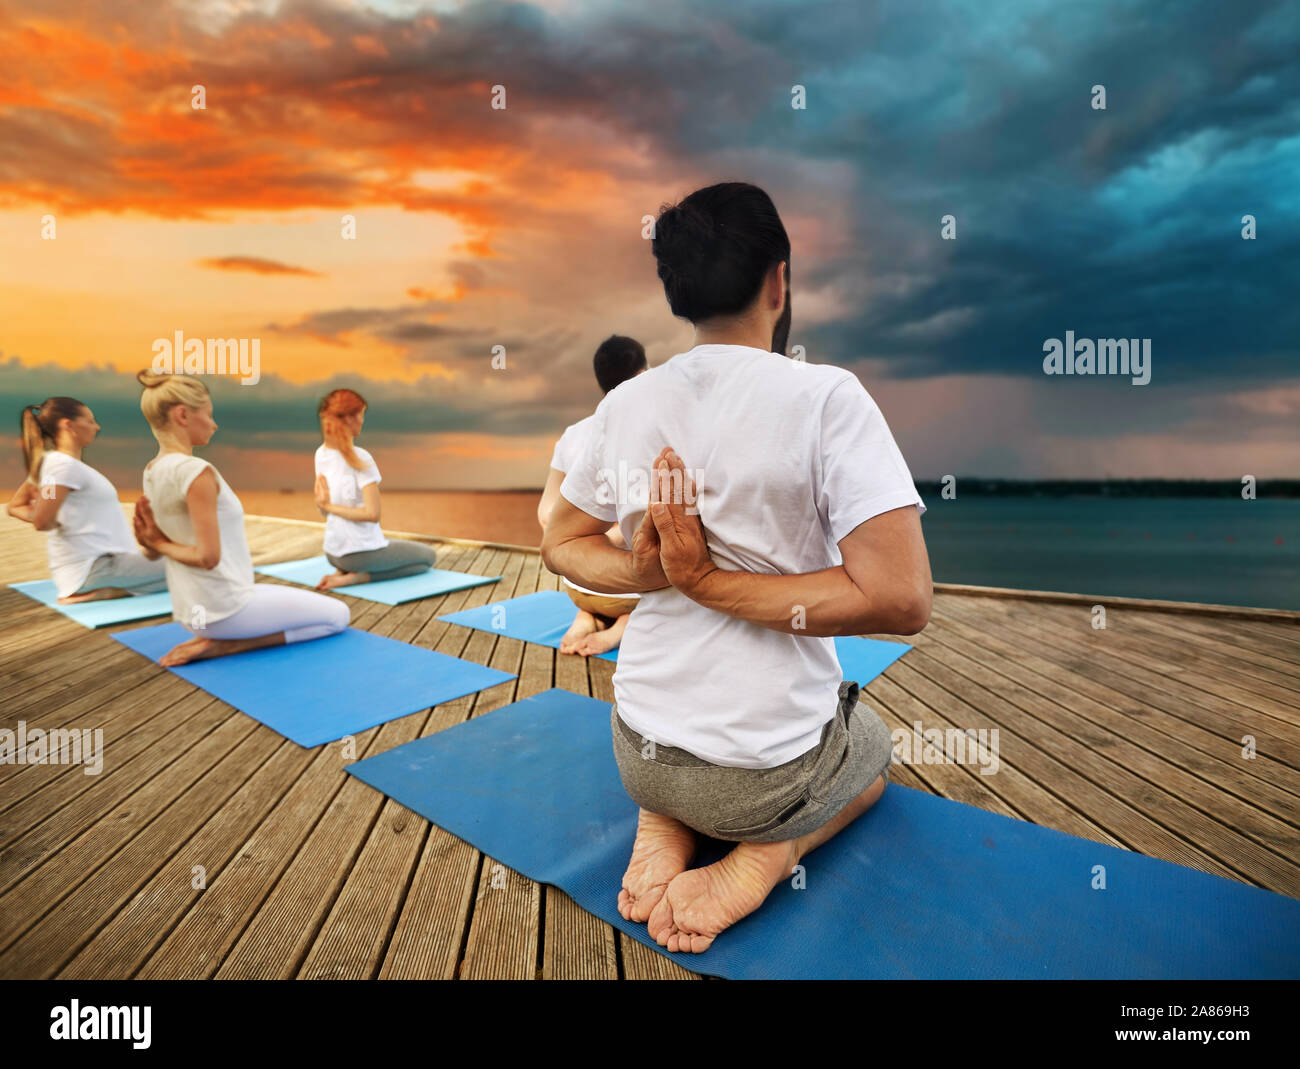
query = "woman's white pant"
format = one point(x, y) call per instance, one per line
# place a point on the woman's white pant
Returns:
point(300, 614)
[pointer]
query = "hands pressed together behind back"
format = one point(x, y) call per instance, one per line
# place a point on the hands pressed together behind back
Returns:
point(670, 547)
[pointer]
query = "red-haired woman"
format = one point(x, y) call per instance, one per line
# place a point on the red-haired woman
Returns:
point(92, 553)
point(347, 494)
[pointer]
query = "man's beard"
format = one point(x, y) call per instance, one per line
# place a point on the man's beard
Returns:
point(781, 331)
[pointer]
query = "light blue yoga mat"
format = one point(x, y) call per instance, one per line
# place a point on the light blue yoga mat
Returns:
point(319, 691)
point(919, 886)
point(98, 613)
point(389, 592)
point(544, 617)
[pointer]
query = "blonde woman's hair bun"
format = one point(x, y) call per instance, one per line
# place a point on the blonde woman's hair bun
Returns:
point(163, 392)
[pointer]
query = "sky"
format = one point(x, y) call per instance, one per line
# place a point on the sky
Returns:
point(479, 227)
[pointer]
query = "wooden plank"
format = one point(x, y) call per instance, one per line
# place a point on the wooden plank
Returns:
point(121, 714)
point(1238, 612)
point(47, 796)
point(33, 832)
point(1225, 641)
point(354, 936)
point(63, 672)
point(1165, 826)
point(1196, 709)
point(281, 933)
point(1010, 792)
point(45, 948)
point(430, 921)
point(1187, 746)
point(505, 927)
point(1223, 819)
point(203, 936)
point(118, 948)
point(1181, 659)
point(34, 890)
point(576, 945)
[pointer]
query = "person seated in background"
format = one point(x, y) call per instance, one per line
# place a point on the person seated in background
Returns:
point(91, 551)
point(347, 495)
point(601, 619)
point(190, 516)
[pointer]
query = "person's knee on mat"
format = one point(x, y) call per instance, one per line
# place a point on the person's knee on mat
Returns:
point(340, 616)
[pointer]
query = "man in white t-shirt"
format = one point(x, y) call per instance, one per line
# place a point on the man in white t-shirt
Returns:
point(781, 513)
point(601, 619)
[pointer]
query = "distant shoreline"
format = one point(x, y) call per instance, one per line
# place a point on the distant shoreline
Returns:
point(978, 486)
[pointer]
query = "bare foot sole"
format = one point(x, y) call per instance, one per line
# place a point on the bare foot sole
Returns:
point(196, 649)
point(700, 903)
point(583, 625)
point(336, 579)
point(201, 649)
point(662, 850)
point(599, 642)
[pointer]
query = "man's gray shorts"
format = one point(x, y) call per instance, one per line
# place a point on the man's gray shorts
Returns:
point(759, 805)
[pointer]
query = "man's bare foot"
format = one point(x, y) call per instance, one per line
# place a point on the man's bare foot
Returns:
point(583, 625)
point(663, 848)
point(104, 593)
point(700, 903)
point(329, 582)
point(599, 642)
point(203, 649)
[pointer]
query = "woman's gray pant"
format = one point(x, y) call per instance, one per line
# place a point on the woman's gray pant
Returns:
point(393, 561)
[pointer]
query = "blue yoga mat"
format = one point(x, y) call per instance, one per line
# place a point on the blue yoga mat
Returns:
point(862, 659)
point(919, 886)
point(389, 592)
point(319, 691)
point(542, 618)
point(545, 616)
point(99, 613)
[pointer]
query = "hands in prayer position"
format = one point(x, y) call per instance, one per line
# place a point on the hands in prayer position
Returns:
point(670, 547)
point(147, 531)
point(322, 495)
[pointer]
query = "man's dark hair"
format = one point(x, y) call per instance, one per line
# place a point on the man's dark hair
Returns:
point(617, 360)
point(715, 247)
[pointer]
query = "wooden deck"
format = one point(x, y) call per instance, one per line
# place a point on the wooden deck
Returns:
point(1130, 736)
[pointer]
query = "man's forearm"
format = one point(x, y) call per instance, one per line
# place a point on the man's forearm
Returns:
point(818, 604)
point(594, 562)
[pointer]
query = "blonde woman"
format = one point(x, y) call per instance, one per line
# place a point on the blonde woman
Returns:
point(92, 555)
point(191, 517)
point(347, 495)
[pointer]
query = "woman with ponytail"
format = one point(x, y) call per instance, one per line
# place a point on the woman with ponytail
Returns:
point(91, 552)
point(191, 517)
point(347, 494)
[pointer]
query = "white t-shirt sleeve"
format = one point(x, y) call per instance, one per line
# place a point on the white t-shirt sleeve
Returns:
point(370, 473)
point(861, 471)
point(583, 487)
point(59, 469)
point(185, 472)
point(569, 447)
